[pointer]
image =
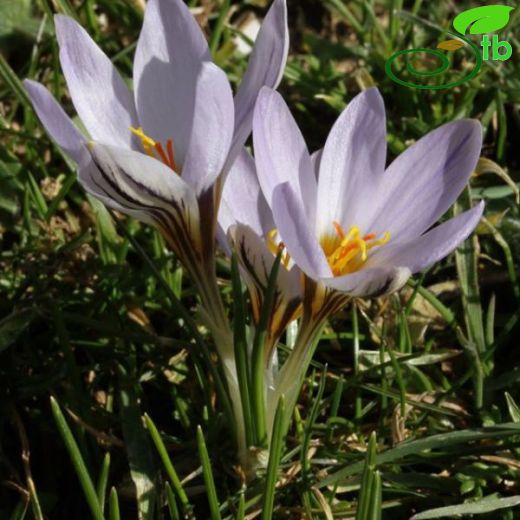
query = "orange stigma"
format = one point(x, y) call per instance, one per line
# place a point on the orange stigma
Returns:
point(155, 149)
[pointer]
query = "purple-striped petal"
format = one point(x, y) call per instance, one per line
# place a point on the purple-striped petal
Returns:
point(281, 154)
point(168, 61)
point(370, 282)
point(421, 252)
point(101, 98)
point(352, 163)
point(211, 128)
point(57, 123)
point(265, 68)
point(258, 261)
point(425, 180)
point(94, 183)
point(137, 182)
point(295, 231)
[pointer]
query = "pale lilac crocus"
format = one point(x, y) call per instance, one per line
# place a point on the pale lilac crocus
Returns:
point(246, 223)
point(354, 227)
point(160, 153)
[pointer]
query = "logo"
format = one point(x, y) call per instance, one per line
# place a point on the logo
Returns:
point(479, 20)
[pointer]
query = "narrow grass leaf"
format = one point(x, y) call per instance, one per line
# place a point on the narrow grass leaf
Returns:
point(514, 409)
point(103, 481)
point(275, 456)
point(172, 503)
point(113, 505)
point(207, 473)
point(241, 357)
point(433, 442)
point(486, 505)
point(168, 466)
point(77, 461)
point(366, 490)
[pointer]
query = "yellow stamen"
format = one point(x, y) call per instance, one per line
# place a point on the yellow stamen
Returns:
point(155, 149)
point(276, 248)
point(345, 252)
point(352, 251)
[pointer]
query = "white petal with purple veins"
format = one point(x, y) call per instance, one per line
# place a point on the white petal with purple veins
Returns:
point(425, 180)
point(57, 123)
point(139, 182)
point(265, 68)
point(101, 98)
point(295, 231)
point(370, 282)
point(280, 151)
point(352, 163)
point(419, 253)
point(242, 200)
point(211, 128)
point(168, 60)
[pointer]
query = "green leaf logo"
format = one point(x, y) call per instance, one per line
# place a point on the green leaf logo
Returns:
point(485, 19)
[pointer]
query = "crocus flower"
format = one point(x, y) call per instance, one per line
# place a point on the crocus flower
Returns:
point(353, 226)
point(159, 153)
point(246, 222)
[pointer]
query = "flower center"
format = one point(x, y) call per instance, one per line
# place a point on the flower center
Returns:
point(347, 252)
point(155, 149)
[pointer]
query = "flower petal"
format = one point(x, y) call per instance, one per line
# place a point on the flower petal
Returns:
point(370, 282)
point(211, 130)
point(295, 231)
point(421, 252)
point(140, 183)
point(281, 154)
point(94, 183)
point(316, 161)
point(426, 179)
point(242, 200)
point(168, 60)
point(265, 68)
point(57, 123)
point(258, 261)
point(352, 162)
point(101, 98)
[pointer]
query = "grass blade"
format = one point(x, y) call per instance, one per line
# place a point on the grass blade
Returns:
point(275, 455)
point(172, 503)
point(113, 505)
point(207, 473)
point(103, 481)
point(486, 505)
point(168, 466)
point(439, 441)
point(77, 461)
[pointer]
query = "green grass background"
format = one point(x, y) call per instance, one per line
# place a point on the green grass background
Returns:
point(88, 312)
